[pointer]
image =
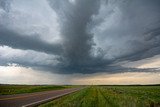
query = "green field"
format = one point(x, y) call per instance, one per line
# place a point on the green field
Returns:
point(110, 96)
point(19, 89)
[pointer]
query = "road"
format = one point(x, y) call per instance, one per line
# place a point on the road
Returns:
point(33, 99)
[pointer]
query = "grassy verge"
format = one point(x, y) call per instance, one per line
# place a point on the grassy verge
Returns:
point(19, 89)
point(110, 96)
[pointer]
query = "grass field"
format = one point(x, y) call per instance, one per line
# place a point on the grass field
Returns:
point(19, 89)
point(110, 96)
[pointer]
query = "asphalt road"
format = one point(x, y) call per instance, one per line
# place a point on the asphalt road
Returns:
point(33, 99)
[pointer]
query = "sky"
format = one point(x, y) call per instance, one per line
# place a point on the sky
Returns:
point(79, 42)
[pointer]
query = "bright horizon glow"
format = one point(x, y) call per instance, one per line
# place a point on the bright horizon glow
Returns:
point(14, 74)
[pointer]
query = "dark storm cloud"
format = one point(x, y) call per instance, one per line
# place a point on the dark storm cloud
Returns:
point(5, 4)
point(17, 41)
point(77, 42)
point(74, 19)
point(143, 29)
point(148, 47)
point(22, 41)
point(96, 34)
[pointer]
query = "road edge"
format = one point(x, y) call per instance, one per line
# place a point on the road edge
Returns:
point(35, 104)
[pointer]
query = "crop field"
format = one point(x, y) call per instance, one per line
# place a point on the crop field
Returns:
point(110, 96)
point(19, 89)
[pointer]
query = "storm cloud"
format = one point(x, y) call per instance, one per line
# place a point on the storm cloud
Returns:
point(14, 40)
point(80, 36)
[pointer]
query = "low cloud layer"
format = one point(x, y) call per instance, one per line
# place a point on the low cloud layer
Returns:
point(79, 36)
point(14, 40)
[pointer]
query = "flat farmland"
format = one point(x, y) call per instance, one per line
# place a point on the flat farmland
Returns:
point(110, 96)
point(20, 89)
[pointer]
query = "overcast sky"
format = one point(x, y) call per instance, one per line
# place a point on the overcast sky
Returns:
point(80, 41)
